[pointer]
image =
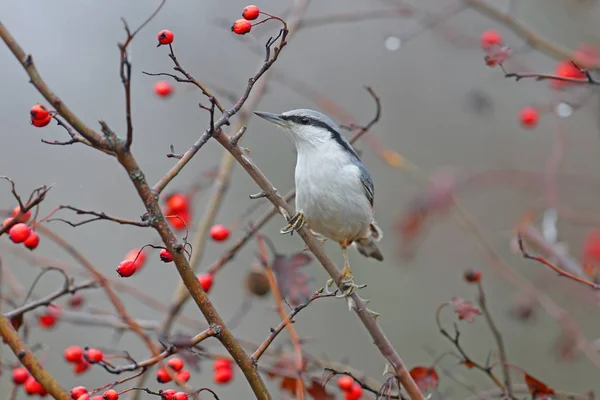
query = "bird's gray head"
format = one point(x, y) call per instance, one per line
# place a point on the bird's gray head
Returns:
point(309, 128)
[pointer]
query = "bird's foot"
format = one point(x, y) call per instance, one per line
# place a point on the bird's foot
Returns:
point(346, 284)
point(295, 223)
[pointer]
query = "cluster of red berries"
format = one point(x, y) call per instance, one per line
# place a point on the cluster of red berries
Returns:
point(222, 371)
point(134, 261)
point(21, 376)
point(170, 394)
point(21, 232)
point(243, 25)
point(352, 389)
point(162, 88)
point(81, 359)
point(81, 393)
point(40, 116)
point(176, 364)
point(177, 207)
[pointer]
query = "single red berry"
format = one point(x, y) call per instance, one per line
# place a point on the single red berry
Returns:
point(176, 364)
point(223, 376)
point(206, 281)
point(529, 117)
point(23, 218)
point(566, 69)
point(250, 12)
point(179, 220)
point(165, 256)
point(138, 256)
point(219, 233)
point(78, 391)
point(354, 393)
point(32, 386)
point(165, 37)
point(178, 202)
point(110, 394)
point(345, 383)
point(126, 269)
point(20, 375)
point(19, 232)
point(183, 376)
point(490, 39)
point(163, 89)
point(472, 275)
point(241, 26)
point(40, 123)
point(93, 355)
point(76, 300)
point(6, 221)
point(39, 112)
point(32, 241)
point(162, 376)
point(49, 318)
point(73, 354)
point(180, 396)
point(168, 394)
point(80, 367)
point(221, 363)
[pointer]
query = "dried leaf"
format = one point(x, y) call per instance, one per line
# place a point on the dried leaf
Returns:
point(292, 282)
point(537, 388)
point(465, 309)
point(17, 321)
point(288, 384)
point(318, 391)
point(425, 377)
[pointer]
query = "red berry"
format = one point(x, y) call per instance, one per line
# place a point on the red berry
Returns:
point(7, 221)
point(490, 39)
point(76, 300)
point(241, 26)
point(84, 396)
point(473, 276)
point(179, 220)
point(176, 364)
point(354, 393)
point(138, 256)
point(180, 396)
point(165, 37)
point(126, 269)
point(97, 398)
point(32, 241)
point(566, 69)
point(49, 318)
point(162, 376)
point(219, 233)
point(529, 117)
point(23, 218)
point(345, 383)
point(78, 391)
point(221, 363)
point(39, 112)
point(178, 202)
point(32, 386)
point(168, 394)
point(163, 89)
point(73, 354)
point(93, 355)
point(183, 376)
point(110, 394)
point(19, 232)
point(165, 256)
point(250, 13)
point(223, 375)
point(206, 281)
point(40, 123)
point(80, 367)
point(20, 375)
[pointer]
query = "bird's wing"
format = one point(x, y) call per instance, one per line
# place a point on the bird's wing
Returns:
point(367, 183)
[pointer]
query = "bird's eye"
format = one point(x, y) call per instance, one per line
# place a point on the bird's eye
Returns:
point(304, 120)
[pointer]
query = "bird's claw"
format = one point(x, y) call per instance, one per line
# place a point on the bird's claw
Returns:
point(295, 223)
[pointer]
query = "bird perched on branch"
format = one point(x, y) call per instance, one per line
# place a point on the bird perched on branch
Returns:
point(334, 190)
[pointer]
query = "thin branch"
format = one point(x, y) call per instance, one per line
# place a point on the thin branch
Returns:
point(32, 202)
point(99, 216)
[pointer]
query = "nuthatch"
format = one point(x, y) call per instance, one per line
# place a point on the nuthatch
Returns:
point(334, 190)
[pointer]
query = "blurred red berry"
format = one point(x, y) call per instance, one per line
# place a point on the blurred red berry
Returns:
point(126, 269)
point(354, 393)
point(223, 376)
point(97, 398)
point(6, 221)
point(180, 396)
point(73, 354)
point(165, 256)
point(76, 300)
point(176, 364)
point(178, 202)
point(529, 117)
point(23, 218)
point(168, 394)
point(20, 375)
point(163, 89)
point(250, 13)
point(138, 256)
point(32, 241)
point(48, 319)
point(19, 232)
point(162, 376)
point(183, 376)
point(93, 356)
point(219, 233)
point(221, 363)
point(84, 396)
point(32, 386)
point(566, 69)
point(39, 111)
point(206, 281)
point(241, 26)
point(40, 123)
point(472, 275)
point(165, 37)
point(490, 38)
point(80, 367)
point(110, 394)
point(345, 383)
point(178, 219)
point(78, 391)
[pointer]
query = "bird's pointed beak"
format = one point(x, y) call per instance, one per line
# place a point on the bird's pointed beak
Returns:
point(274, 118)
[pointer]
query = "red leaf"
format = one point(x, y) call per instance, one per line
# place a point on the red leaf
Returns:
point(292, 282)
point(425, 377)
point(467, 363)
point(318, 392)
point(537, 388)
point(288, 383)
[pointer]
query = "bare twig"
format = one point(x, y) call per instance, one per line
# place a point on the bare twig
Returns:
point(99, 216)
point(32, 202)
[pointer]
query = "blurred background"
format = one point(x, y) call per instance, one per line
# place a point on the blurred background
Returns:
point(442, 108)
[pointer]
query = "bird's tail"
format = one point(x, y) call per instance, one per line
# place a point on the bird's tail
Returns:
point(367, 247)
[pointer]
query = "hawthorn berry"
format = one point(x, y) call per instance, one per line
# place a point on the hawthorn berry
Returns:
point(39, 111)
point(78, 391)
point(85, 396)
point(206, 281)
point(19, 232)
point(7, 221)
point(257, 283)
point(179, 220)
point(221, 363)
point(93, 355)
point(162, 376)
point(241, 26)
point(250, 12)
point(48, 319)
point(110, 394)
point(32, 386)
point(165, 37)
point(490, 38)
point(178, 202)
point(176, 364)
point(40, 123)
point(168, 394)
point(32, 241)
point(126, 269)
point(163, 89)
point(180, 396)
point(165, 256)
point(73, 354)
point(20, 375)
point(345, 383)
point(138, 256)
point(472, 275)
point(223, 376)
point(76, 300)
point(219, 233)
point(566, 69)
point(354, 393)
point(23, 218)
point(183, 376)
point(80, 367)
point(529, 117)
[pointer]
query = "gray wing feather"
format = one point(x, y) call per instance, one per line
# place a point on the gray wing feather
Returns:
point(367, 183)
